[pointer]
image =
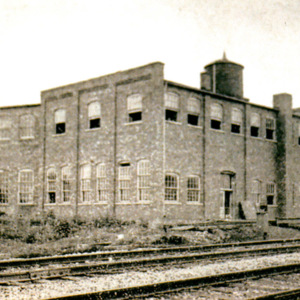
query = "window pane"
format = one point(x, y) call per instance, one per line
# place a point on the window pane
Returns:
point(270, 123)
point(171, 100)
point(216, 112)
point(94, 109)
point(3, 187)
point(60, 116)
point(134, 102)
point(255, 120)
point(236, 116)
point(193, 105)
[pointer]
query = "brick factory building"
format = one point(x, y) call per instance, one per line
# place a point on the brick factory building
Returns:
point(134, 145)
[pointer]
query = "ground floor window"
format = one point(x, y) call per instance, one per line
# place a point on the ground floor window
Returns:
point(193, 189)
point(171, 187)
point(102, 183)
point(51, 185)
point(86, 189)
point(124, 182)
point(143, 172)
point(3, 187)
point(66, 184)
point(256, 192)
point(26, 186)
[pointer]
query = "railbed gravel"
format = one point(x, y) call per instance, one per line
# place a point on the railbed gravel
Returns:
point(78, 285)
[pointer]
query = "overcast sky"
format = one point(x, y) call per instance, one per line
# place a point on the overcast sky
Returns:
point(48, 43)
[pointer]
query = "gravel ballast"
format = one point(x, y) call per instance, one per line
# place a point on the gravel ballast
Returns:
point(55, 288)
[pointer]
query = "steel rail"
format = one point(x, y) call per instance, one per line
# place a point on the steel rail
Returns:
point(122, 265)
point(285, 295)
point(183, 284)
point(124, 253)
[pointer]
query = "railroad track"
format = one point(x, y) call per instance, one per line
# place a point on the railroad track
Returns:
point(108, 255)
point(203, 286)
point(113, 267)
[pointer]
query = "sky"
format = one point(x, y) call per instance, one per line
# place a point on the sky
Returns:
point(49, 43)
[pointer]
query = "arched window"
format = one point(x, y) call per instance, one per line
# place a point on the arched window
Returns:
point(102, 183)
point(270, 128)
point(26, 186)
point(143, 172)
point(86, 190)
point(134, 107)
point(94, 114)
point(171, 187)
point(51, 185)
point(124, 182)
point(193, 107)
point(254, 124)
point(171, 106)
point(66, 183)
point(193, 189)
point(236, 120)
point(216, 116)
point(3, 187)
point(27, 126)
point(60, 121)
point(5, 127)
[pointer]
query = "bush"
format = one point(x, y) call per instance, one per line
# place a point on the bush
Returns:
point(62, 229)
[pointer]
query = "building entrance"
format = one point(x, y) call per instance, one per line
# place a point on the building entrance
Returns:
point(226, 206)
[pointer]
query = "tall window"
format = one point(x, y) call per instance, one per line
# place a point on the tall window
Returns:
point(171, 187)
point(256, 192)
point(94, 115)
point(254, 125)
point(124, 182)
point(270, 129)
point(5, 126)
point(27, 126)
point(102, 183)
point(60, 121)
point(299, 134)
point(66, 184)
point(51, 185)
point(193, 189)
point(86, 191)
point(193, 107)
point(143, 172)
point(270, 193)
point(134, 108)
point(26, 186)
point(172, 106)
point(3, 187)
point(236, 120)
point(216, 116)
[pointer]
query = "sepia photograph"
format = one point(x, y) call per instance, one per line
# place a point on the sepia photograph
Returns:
point(149, 149)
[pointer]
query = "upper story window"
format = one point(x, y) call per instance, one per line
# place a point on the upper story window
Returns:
point(60, 121)
point(51, 185)
point(193, 189)
point(143, 172)
point(66, 184)
point(270, 194)
point(124, 182)
point(27, 126)
point(270, 128)
point(171, 187)
point(102, 183)
point(236, 120)
point(254, 124)
point(216, 116)
point(94, 115)
point(26, 186)
point(86, 189)
point(3, 187)
point(171, 106)
point(5, 126)
point(193, 107)
point(134, 108)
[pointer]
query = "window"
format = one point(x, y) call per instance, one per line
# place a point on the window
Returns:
point(171, 105)
point(86, 191)
point(270, 194)
point(236, 120)
point(5, 126)
point(51, 185)
point(3, 187)
point(60, 121)
point(143, 172)
point(299, 134)
point(27, 126)
point(171, 187)
point(193, 189)
point(124, 182)
point(254, 124)
point(102, 183)
point(26, 186)
point(216, 116)
point(270, 129)
point(193, 107)
point(134, 108)
point(94, 113)
point(256, 192)
point(66, 184)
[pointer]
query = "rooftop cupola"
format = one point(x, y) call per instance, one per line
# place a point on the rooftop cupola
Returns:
point(223, 77)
